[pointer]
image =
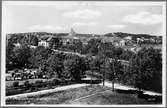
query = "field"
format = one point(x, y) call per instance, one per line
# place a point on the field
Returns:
point(94, 94)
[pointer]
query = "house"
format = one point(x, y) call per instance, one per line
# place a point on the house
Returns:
point(135, 49)
point(46, 39)
point(8, 77)
point(117, 41)
point(17, 45)
point(140, 40)
point(129, 41)
point(128, 38)
point(122, 43)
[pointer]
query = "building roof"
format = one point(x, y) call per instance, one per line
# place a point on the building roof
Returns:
point(128, 38)
point(48, 37)
point(45, 37)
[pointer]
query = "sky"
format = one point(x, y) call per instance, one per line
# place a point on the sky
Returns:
point(83, 17)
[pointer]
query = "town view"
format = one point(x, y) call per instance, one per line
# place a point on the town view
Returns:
point(83, 68)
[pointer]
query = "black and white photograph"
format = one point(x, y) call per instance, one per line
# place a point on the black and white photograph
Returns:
point(83, 53)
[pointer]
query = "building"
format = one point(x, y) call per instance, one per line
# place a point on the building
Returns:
point(122, 43)
point(46, 39)
point(128, 38)
point(71, 38)
point(43, 43)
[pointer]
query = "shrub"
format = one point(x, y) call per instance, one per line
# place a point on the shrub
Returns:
point(11, 91)
point(56, 82)
point(15, 84)
point(39, 83)
point(49, 84)
point(27, 85)
point(33, 87)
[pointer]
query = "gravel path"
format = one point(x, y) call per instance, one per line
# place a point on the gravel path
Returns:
point(45, 91)
point(124, 87)
point(108, 84)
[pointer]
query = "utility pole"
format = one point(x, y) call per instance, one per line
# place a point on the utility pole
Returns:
point(103, 77)
point(104, 70)
point(113, 75)
point(140, 69)
point(92, 76)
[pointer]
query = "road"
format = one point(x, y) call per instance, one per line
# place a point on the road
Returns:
point(124, 62)
point(107, 83)
point(124, 87)
point(24, 95)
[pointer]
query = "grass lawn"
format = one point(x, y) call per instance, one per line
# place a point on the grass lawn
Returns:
point(102, 96)
point(111, 98)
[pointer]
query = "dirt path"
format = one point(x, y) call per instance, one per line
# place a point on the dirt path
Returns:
point(108, 84)
point(46, 91)
point(124, 87)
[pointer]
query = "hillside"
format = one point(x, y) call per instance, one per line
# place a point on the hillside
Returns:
point(117, 34)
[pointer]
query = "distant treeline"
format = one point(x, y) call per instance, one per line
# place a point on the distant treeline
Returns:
point(118, 34)
point(134, 36)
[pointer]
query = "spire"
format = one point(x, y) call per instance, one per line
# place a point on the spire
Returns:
point(72, 32)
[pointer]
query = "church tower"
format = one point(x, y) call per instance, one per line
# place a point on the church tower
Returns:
point(72, 32)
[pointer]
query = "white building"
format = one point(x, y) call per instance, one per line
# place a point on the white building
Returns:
point(122, 43)
point(128, 38)
point(43, 43)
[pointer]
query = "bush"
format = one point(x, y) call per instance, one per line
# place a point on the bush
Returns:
point(11, 91)
point(16, 84)
point(49, 84)
point(39, 83)
point(56, 82)
point(27, 85)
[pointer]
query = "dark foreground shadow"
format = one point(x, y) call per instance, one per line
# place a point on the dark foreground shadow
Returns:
point(91, 81)
point(140, 94)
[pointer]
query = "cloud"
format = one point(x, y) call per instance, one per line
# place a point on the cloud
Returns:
point(144, 17)
point(84, 24)
point(82, 14)
point(46, 28)
point(117, 26)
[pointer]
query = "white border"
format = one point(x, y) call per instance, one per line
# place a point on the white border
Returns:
point(93, 3)
point(90, 3)
point(3, 54)
point(164, 56)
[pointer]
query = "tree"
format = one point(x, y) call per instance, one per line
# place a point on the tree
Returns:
point(75, 67)
point(39, 56)
point(147, 69)
point(54, 65)
point(55, 43)
point(126, 55)
point(9, 52)
point(107, 49)
point(98, 64)
point(21, 55)
point(33, 40)
point(93, 46)
point(115, 71)
point(38, 59)
point(78, 46)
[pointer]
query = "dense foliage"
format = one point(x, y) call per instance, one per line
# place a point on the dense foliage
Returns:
point(142, 69)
